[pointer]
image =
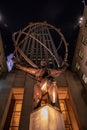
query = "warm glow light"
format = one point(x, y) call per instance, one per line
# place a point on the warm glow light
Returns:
point(80, 20)
point(47, 118)
point(44, 113)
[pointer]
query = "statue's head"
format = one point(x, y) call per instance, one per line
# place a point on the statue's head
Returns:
point(43, 63)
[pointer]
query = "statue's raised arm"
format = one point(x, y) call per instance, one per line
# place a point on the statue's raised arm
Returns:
point(43, 72)
point(28, 70)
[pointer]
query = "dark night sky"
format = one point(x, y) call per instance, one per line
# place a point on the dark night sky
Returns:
point(63, 14)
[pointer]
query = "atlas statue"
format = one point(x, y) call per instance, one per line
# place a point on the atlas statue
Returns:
point(45, 82)
point(45, 76)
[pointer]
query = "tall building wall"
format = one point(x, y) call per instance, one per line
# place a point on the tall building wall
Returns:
point(19, 86)
point(2, 57)
point(38, 52)
point(80, 56)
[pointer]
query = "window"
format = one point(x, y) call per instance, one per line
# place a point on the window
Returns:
point(84, 77)
point(39, 59)
point(13, 117)
point(81, 54)
point(67, 110)
point(14, 124)
point(84, 40)
point(65, 113)
point(50, 59)
point(77, 66)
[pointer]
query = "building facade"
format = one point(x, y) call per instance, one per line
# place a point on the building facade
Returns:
point(80, 57)
point(16, 97)
point(16, 101)
point(2, 57)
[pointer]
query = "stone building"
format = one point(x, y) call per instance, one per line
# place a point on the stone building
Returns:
point(2, 57)
point(16, 96)
point(80, 56)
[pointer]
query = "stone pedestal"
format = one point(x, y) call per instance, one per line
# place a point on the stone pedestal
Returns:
point(46, 118)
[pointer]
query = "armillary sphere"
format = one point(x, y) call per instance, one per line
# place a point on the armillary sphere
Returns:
point(34, 43)
point(35, 34)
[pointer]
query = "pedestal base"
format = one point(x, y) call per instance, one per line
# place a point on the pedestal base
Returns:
point(46, 118)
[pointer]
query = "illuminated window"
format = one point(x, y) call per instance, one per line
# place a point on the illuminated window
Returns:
point(50, 59)
point(34, 59)
point(14, 124)
point(67, 110)
point(84, 77)
point(65, 113)
point(77, 66)
point(81, 54)
point(13, 117)
point(84, 40)
point(39, 59)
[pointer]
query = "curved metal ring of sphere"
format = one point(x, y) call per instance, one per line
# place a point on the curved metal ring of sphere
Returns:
point(29, 32)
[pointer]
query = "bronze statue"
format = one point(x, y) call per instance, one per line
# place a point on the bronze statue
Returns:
point(45, 82)
point(25, 40)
